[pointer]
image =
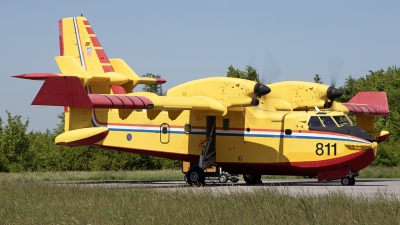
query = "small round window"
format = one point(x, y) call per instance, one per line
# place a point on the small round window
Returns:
point(187, 128)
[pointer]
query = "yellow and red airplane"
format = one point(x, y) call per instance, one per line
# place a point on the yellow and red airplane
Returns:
point(285, 128)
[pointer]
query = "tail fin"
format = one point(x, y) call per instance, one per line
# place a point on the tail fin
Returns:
point(83, 57)
point(78, 40)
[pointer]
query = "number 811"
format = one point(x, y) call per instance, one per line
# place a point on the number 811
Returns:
point(321, 149)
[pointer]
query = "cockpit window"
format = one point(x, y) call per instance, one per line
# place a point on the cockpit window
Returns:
point(343, 120)
point(328, 121)
point(314, 122)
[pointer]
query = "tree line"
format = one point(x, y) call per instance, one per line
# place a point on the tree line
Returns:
point(21, 150)
point(35, 151)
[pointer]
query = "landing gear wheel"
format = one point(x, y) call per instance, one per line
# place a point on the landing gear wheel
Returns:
point(195, 176)
point(347, 181)
point(223, 178)
point(352, 181)
point(185, 178)
point(252, 179)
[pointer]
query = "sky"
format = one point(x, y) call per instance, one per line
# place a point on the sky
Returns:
point(188, 40)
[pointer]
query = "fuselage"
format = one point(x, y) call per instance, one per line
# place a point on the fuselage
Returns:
point(252, 141)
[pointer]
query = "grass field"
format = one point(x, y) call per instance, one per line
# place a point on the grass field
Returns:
point(27, 198)
point(38, 202)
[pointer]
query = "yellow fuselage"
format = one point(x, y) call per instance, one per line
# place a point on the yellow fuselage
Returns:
point(250, 138)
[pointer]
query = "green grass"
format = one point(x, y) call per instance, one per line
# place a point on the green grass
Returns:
point(380, 172)
point(26, 198)
point(94, 175)
point(33, 202)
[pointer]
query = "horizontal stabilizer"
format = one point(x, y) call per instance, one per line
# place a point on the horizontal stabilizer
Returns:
point(368, 103)
point(68, 66)
point(36, 76)
point(121, 67)
point(149, 80)
point(83, 136)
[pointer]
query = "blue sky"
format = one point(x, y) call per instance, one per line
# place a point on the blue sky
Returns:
point(188, 40)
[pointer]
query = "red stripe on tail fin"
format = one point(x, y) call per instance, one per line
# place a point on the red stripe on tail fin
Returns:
point(60, 37)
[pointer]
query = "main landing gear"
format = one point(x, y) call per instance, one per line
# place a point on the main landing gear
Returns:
point(252, 179)
point(196, 176)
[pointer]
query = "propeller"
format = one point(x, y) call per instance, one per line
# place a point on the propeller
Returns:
point(271, 69)
point(259, 90)
point(335, 65)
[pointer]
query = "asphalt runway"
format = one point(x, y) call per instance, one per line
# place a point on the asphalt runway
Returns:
point(363, 187)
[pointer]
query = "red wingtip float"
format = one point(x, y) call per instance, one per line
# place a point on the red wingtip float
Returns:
point(240, 125)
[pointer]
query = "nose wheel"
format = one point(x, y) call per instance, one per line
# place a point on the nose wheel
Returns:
point(348, 181)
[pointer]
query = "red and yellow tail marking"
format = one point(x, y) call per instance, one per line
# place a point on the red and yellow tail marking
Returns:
point(78, 39)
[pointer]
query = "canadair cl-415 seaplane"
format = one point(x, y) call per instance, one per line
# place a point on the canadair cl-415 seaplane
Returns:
point(245, 127)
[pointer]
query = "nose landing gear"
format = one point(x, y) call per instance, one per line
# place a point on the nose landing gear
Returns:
point(349, 180)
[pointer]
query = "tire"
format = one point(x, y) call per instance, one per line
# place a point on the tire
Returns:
point(223, 178)
point(252, 179)
point(195, 176)
point(352, 181)
point(346, 181)
point(185, 178)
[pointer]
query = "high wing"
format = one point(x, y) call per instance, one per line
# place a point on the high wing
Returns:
point(69, 91)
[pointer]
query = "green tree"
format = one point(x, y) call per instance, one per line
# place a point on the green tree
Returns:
point(317, 79)
point(154, 88)
point(14, 145)
point(249, 74)
point(388, 81)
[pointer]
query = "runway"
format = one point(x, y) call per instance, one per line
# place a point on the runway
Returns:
point(363, 187)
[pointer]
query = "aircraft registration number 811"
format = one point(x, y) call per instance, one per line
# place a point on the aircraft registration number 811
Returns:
point(320, 149)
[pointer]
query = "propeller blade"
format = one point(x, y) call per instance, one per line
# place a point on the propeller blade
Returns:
point(335, 65)
point(271, 69)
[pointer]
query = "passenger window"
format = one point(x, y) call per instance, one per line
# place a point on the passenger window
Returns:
point(314, 122)
point(328, 121)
